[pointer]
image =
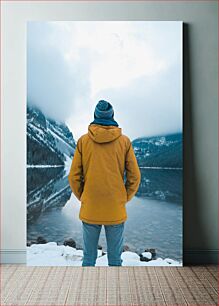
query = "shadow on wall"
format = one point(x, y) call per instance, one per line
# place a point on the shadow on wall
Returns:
point(191, 198)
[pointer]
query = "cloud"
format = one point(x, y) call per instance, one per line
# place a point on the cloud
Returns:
point(137, 66)
point(150, 105)
point(118, 54)
point(53, 84)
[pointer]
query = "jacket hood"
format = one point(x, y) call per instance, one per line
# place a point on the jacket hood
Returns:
point(104, 133)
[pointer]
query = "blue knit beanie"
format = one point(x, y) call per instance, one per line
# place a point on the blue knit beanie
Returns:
point(104, 110)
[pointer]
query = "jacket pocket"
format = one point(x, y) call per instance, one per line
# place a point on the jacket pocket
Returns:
point(81, 195)
point(125, 193)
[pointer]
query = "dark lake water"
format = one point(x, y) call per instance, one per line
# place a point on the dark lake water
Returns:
point(154, 214)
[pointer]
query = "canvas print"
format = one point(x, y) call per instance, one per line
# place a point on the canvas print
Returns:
point(104, 143)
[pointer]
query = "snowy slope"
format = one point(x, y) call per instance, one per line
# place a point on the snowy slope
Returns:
point(159, 151)
point(48, 141)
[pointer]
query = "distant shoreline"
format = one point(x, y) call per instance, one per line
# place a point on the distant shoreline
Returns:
point(144, 167)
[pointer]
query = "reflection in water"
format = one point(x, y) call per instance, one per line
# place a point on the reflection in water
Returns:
point(47, 188)
point(154, 214)
point(161, 184)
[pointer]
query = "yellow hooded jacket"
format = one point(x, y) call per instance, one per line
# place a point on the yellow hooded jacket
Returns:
point(97, 174)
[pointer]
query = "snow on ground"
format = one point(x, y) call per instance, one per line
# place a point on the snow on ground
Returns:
point(51, 254)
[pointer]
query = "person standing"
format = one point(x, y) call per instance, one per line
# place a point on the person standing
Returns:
point(96, 177)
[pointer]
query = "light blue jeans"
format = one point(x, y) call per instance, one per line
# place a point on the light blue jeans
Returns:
point(114, 237)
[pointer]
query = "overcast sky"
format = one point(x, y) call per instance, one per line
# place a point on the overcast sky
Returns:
point(135, 65)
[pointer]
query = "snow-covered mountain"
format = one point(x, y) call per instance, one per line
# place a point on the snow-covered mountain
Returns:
point(159, 151)
point(48, 141)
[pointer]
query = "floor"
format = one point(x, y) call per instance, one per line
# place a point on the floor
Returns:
point(188, 285)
